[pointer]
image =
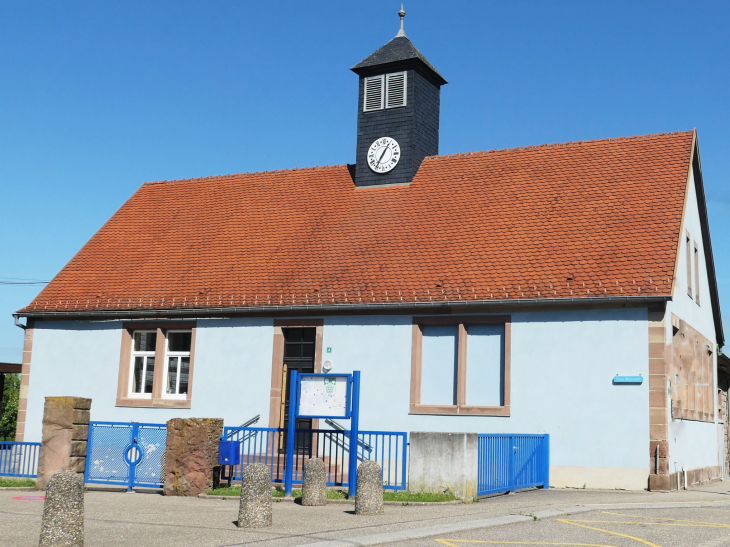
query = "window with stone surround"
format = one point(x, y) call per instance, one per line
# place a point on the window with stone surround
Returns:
point(156, 364)
point(460, 365)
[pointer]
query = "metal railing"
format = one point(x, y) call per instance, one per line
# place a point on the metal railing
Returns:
point(19, 459)
point(390, 450)
point(249, 423)
point(268, 446)
point(512, 462)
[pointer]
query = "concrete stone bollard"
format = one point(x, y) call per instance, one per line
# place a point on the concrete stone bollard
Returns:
point(255, 508)
point(314, 487)
point(369, 498)
point(63, 511)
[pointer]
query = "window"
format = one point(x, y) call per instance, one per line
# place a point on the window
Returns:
point(178, 363)
point(439, 365)
point(460, 365)
point(385, 91)
point(143, 357)
point(395, 90)
point(156, 364)
point(688, 251)
point(374, 89)
point(697, 274)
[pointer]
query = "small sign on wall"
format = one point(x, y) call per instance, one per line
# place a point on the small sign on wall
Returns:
point(628, 380)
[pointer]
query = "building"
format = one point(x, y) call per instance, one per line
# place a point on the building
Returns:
point(500, 291)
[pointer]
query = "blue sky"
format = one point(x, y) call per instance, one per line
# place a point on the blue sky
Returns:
point(98, 97)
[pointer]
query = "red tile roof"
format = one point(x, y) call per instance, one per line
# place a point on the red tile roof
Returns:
point(573, 220)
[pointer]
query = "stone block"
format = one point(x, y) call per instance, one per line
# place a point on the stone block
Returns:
point(78, 448)
point(314, 485)
point(255, 509)
point(82, 403)
point(191, 455)
point(658, 399)
point(77, 464)
point(658, 432)
point(59, 411)
point(369, 498)
point(660, 483)
point(63, 511)
point(80, 433)
point(81, 417)
point(443, 460)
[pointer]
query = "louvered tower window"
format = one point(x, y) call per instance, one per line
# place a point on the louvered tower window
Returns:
point(396, 89)
point(386, 91)
point(374, 93)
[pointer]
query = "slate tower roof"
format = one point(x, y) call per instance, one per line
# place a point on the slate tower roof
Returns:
point(398, 49)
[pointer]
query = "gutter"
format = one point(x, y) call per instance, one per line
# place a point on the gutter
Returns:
point(389, 306)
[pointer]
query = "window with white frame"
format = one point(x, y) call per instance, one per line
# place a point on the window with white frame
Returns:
point(143, 363)
point(178, 363)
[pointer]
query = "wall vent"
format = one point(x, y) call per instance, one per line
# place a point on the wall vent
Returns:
point(396, 89)
point(374, 93)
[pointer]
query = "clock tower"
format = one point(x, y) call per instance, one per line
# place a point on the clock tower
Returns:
point(398, 112)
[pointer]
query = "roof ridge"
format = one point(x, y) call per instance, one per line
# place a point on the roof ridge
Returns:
point(457, 154)
point(547, 145)
point(248, 174)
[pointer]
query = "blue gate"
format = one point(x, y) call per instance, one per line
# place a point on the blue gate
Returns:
point(19, 459)
point(126, 454)
point(512, 462)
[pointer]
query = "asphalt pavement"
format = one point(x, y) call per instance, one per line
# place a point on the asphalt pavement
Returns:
point(699, 517)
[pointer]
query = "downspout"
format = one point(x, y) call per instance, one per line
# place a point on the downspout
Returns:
point(18, 323)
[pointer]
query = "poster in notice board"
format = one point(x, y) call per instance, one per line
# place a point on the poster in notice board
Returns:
point(323, 396)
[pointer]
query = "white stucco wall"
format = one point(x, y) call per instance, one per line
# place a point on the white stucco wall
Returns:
point(693, 444)
point(561, 381)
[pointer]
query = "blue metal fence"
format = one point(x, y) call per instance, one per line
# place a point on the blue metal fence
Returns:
point(268, 446)
point(512, 462)
point(126, 454)
point(19, 459)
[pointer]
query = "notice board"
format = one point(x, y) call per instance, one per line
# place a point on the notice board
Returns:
point(324, 396)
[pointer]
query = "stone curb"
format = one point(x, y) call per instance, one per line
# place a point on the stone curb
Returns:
point(351, 502)
point(17, 488)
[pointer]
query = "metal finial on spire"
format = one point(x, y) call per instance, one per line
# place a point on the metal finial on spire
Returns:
point(402, 14)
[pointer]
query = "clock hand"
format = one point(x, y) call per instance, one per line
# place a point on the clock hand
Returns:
point(385, 149)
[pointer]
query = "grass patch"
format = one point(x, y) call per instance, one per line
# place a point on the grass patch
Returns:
point(276, 492)
point(7, 482)
point(225, 491)
point(335, 494)
point(405, 496)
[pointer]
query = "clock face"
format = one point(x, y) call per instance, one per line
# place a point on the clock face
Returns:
point(383, 155)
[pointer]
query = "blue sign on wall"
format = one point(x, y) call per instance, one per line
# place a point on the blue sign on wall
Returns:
point(633, 380)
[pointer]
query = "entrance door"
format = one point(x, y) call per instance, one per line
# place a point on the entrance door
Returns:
point(298, 355)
